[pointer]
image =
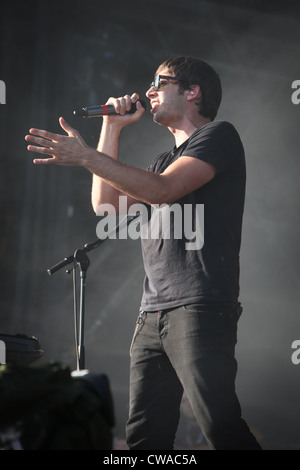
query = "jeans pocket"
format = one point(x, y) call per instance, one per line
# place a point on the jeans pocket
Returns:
point(223, 311)
point(193, 307)
point(138, 326)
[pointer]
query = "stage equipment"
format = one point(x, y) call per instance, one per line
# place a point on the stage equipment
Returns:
point(80, 260)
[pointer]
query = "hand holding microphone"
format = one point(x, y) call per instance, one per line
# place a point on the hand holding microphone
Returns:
point(114, 106)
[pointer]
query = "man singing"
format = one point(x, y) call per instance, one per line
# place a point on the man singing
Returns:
point(186, 330)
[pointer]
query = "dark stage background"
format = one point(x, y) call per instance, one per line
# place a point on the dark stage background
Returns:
point(60, 55)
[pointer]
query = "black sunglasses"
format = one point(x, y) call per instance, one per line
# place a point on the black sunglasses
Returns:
point(158, 83)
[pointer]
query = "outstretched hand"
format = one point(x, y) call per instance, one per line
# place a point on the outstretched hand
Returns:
point(67, 150)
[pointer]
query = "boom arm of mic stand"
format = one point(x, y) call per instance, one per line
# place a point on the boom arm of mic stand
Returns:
point(81, 259)
point(87, 247)
point(72, 258)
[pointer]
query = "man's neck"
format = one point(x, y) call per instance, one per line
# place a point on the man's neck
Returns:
point(186, 130)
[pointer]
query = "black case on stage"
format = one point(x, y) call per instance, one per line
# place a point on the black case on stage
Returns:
point(21, 349)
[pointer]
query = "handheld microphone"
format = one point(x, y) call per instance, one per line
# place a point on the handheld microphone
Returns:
point(103, 110)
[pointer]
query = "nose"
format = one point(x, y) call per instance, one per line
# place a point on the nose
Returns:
point(150, 92)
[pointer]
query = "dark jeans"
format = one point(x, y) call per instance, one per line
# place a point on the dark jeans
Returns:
point(189, 348)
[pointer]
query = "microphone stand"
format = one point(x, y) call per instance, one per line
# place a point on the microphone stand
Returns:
point(80, 258)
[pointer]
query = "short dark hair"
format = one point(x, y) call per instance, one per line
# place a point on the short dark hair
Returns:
point(194, 71)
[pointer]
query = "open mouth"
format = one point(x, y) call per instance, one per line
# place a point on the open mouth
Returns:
point(154, 105)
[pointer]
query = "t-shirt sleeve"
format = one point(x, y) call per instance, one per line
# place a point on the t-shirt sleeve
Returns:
point(217, 143)
point(159, 164)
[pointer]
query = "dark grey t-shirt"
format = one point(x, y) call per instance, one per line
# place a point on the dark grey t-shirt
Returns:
point(176, 275)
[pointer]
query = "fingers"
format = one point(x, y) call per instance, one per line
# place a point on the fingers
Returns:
point(43, 133)
point(39, 140)
point(44, 138)
point(46, 145)
point(47, 142)
point(50, 135)
point(44, 161)
point(43, 151)
point(124, 103)
point(121, 104)
point(134, 97)
point(67, 128)
point(63, 149)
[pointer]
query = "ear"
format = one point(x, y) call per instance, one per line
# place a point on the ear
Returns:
point(193, 93)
